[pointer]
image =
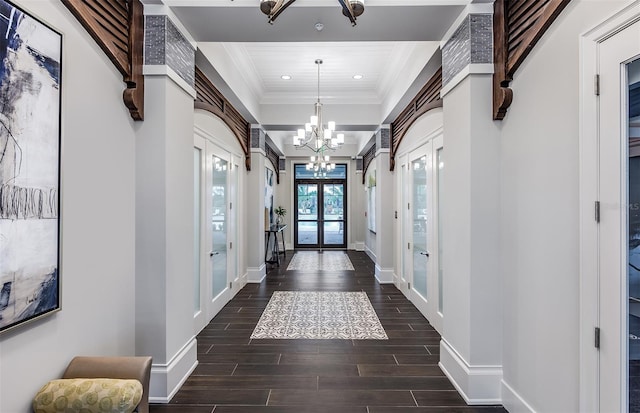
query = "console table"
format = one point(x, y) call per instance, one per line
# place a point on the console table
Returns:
point(275, 248)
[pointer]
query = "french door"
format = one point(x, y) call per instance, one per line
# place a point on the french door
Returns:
point(619, 228)
point(420, 193)
point(215, 229)
point(320, 216)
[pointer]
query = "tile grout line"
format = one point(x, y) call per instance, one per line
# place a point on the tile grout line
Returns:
point(268, 397)
point(414, 398)
point(428, 351)
point(234, 369)
point(279, 358)
point(394, 357)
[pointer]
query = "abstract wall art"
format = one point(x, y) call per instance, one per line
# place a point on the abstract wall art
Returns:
point(30, 86)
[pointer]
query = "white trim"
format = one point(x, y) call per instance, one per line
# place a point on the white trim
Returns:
point(370, 252)
point(384, 275)
point(164, 70)
point(478, 385)
point(513, 402)
point(418, 143)
point(166, 379)
point(163, 10)
point(256, 275)
point(259, 150)
point(471, 69)
point(220, 145)
point(589, 176)
point(359, 246)
point(474, 8)
point(382, 150)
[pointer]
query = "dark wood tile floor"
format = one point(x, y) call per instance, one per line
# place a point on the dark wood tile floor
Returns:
point(240, 375)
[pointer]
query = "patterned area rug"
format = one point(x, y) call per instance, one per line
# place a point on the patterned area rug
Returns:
point(319, 315)
point(315, 261)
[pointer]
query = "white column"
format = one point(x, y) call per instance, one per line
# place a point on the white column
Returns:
point(385, 220)
point(164, 216)
point(470, 349)
point(255, 220)
point(471, 353)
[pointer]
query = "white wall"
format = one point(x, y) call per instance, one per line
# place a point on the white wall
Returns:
point(539, 220)
point(97, 218)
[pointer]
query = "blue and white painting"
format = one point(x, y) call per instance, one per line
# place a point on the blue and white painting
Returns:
point(30, 63)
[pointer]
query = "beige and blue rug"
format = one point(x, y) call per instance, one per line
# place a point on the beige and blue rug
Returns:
point(319, 315)
point(325, 261)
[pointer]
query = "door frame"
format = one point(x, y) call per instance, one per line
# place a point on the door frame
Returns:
point(589, 193)
point(320, 218)
point(404, 281)
point(210, 306)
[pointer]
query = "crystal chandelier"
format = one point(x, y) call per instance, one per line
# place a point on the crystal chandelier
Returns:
point(350, 8)
point(318, 138)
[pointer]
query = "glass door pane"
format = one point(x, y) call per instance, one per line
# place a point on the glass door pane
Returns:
point(440, 183)
point(419, 211)
point(307, 214)
point(197, 167)
point(406, 225)
point(333, 213)
point(219, 226)
point(634, 235)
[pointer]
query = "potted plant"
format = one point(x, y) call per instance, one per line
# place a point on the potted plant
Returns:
point(280, 212)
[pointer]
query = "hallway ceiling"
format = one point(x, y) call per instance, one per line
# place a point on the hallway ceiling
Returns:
point(394, 46)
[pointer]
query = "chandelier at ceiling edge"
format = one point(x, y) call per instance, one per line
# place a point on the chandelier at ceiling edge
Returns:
point(350, 8)
point(319, 138)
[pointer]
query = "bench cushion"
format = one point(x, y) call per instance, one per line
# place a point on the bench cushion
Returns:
point(88, 396)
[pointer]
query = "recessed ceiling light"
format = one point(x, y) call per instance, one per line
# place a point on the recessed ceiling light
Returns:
point(285, 77)
point(357, 77)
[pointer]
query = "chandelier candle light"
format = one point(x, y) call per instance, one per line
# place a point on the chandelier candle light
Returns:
point(318, 138)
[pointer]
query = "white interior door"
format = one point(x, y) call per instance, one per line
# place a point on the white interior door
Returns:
point(616, 238)
point(218, 213)
point(216, 220)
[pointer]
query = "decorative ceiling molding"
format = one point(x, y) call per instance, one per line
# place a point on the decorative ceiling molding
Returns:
point(118, 28)
point(517, 27)
point(210, 99)
point(428, 98)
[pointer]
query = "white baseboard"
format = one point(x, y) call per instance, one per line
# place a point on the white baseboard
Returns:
point(370, 253)
point(359, 246)
point(513, 402)
point(478, 385)
point(384, 275)
point(166, 379)
point(256, 275)
point(288, 247)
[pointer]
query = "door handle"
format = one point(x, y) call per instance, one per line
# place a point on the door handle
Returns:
point(425, 253)
point(212, 253)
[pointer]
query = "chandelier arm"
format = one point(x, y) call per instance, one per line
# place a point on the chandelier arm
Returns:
point(348, 11)
point(279, 8)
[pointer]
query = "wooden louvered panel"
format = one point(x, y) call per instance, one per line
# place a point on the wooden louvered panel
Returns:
point(206, 94)
point(428, 98)
point(117, 27)
point(112, 21)
point(366, 161)
point(210, 99)
point(273, 156)
point(517, 26)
